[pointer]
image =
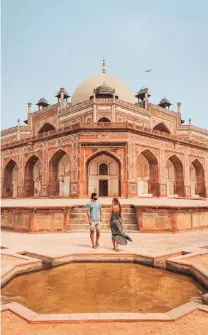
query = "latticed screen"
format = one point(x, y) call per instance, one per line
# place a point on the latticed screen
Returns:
point(103, 169)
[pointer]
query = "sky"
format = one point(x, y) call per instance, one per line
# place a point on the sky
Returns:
point(47, 44)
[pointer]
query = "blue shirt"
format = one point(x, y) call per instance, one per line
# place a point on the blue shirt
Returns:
point(94, 208)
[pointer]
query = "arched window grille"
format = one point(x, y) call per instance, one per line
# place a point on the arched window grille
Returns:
point(103, 169)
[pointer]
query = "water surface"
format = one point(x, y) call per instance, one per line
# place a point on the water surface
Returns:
point(103, 287)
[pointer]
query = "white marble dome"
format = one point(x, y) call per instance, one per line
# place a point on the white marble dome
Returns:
point(86, 88)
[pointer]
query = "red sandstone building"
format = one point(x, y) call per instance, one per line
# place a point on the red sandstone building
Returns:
point(105, 139)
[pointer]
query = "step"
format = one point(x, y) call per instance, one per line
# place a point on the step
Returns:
point(104, 215)
point(104, 210)
point(84, 227)
point(85, 221)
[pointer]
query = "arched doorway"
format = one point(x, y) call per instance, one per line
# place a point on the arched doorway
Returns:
point(197, 182)
point(103, 172)
point(45, 128)
point(170, 178)
point(10, 180)
point(147, 174)
point(32, 184)
point(174, 177)
point(162, 127)
point(104, 119)
point(59, 174)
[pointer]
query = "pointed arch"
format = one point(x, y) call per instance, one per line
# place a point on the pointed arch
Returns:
point(10, 179)
point(105, 184)
point(197, 180)
point(147, 173)
point(32, 177)
point(178, 180)
point(59, 174)
point(46, 127)
point(162, 127)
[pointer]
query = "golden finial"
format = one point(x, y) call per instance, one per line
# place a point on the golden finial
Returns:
point(103, 67)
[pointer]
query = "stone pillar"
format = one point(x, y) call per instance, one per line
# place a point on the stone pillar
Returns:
point(29, 113)
point(179, 107)
point(163, 190)
point(29, 104)
point(82, 177)
point(62, 94)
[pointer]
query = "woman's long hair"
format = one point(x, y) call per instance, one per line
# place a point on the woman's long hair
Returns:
point(117, 202)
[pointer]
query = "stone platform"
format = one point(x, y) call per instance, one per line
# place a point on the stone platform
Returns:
point(139, 214)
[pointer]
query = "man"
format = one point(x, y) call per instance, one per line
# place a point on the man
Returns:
point(94, 215)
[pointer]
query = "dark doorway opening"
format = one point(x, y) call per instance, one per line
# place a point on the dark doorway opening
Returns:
point(103, 188)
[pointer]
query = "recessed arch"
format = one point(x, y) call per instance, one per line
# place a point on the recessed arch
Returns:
point(197, 181)
point(59, 174)
point(162, 127)
point(178, 179)
point(147, 173)
point(10, 180)
point(104, 119)
point(105, 184)
point(46, 127)
point(32, 177)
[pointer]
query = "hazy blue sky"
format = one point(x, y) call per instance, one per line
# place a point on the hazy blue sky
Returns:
point(47, 44)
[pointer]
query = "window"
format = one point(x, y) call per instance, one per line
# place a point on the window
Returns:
point(103, 169)
point(104, 119)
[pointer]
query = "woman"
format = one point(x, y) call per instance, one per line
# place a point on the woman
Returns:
point(118, 236)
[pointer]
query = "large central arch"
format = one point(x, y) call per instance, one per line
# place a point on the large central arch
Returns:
point(103, 172)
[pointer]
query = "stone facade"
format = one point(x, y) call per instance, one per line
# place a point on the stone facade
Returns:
point(107, 145)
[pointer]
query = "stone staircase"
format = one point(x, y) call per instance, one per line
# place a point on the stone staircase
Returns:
point(79, 220)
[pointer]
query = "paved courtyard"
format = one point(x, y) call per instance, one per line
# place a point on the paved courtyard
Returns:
point(56, 245)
